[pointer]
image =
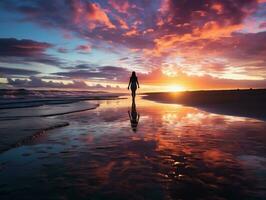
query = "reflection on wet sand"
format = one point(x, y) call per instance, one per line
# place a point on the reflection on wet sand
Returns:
point(177, 153)
point(133, 116)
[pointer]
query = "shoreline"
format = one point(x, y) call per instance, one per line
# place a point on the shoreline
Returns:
point(26, 119)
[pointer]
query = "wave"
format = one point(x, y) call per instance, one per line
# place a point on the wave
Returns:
point(11, 99)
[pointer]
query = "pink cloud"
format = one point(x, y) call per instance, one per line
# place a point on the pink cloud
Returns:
point(121, 6)
point(262, 25)
point(83, 48)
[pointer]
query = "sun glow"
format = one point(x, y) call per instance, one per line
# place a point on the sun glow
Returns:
point(175, 88)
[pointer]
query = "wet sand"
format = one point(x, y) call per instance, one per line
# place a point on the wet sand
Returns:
point(16, 132)
point(174, 152)
point(25, 114)
point(246, 103)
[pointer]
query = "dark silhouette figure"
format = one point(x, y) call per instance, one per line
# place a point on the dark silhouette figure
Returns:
point(133, 83)
point(133, 116)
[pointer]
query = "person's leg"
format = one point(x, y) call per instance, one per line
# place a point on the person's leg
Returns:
point(133, 94)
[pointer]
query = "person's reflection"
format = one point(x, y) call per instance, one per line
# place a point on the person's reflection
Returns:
point(133, 116)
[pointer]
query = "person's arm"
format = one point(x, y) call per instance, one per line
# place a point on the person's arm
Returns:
point(129, 83)
point(138, 82)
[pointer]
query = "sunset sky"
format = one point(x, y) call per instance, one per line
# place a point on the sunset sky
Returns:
point(171, 44)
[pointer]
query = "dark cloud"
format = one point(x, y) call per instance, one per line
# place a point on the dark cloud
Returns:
point(22, 48)
point(62, 50)
point(35, 82)
point(25, 51)
point(124, 58)
point(248, 46)
point(82, 66)
point(222, 11)
point(105, 72)
point(262, 25)
point(15, 71)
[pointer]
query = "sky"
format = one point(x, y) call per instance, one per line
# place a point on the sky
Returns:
point(95, 45)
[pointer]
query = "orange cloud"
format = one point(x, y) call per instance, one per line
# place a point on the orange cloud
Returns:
point(98, 15)
point(210, 30)
point(131, 33)
point(122, 23)
point(217, 7)
point(149, 30)
point(91, 14)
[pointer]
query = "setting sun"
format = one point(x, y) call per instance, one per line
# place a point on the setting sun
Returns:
point(175, 88)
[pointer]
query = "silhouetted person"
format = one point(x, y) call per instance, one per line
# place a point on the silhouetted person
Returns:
point(133, 116)
point(133, 83)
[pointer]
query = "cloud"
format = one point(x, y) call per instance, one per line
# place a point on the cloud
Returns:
point(97, 20)
point(22, 48)
point(82, 66)
point(207, 35)
point(68, 13)
point(62, 50)
point(110, 73)
point(241, 53)
point(239, 46)
point(83, 48)
point(85, 19)
point(121, 6)
point(196, 82)
point(156, 77)
point(15, 50)
point(160, 77)
point(35, 82)
point(97, 15)
point(124, 58)
point(262, 25)
point(122, 22)
point(4, 71)
point(195, 14)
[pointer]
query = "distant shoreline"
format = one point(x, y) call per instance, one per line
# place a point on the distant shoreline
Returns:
point(244, 103)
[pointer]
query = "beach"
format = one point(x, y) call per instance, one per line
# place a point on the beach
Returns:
point(102, 153)
point(133, 100)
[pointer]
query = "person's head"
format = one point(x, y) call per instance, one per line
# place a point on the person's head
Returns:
point(133, 74)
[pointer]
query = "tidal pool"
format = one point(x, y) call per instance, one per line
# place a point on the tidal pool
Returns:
point(144, 151)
